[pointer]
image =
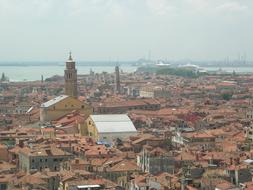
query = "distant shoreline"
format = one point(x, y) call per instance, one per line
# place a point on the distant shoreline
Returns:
point(86, 63)
point(34, 71)
point(120, 63)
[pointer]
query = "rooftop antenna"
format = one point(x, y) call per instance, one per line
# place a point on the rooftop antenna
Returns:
point(149, 55)
point(245, 58)
point(117, 62)
point(239, 58)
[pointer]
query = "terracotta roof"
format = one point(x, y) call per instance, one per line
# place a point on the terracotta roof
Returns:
point(225, 186)
point(124, 166)
point(44, 151)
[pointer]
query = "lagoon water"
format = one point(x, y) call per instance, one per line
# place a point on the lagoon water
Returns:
point(245, 70)
point(33, 72)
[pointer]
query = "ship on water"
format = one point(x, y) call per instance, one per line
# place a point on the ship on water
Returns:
point(161, 63)
point(192, 67)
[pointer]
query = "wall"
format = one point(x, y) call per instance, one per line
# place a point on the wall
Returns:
point(147, 94)
point(4, 153)
point(24, 163)
point(109, 137)
point(50, 162)
point(92, 131)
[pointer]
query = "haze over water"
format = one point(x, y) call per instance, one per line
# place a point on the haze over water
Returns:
point(32, 72)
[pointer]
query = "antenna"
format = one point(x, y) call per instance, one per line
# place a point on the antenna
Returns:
point(149, 55)
point(70, 55)
point(239, 58)
point(245, 58)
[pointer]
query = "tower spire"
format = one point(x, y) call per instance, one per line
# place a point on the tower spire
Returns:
point(70, 77)
point(117, 80)
point(70, 56)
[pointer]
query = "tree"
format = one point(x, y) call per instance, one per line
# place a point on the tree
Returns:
point(226, 97)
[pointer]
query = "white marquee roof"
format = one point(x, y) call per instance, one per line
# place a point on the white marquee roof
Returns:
point(113, 123)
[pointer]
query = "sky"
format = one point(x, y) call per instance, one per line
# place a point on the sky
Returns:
point(112, 30)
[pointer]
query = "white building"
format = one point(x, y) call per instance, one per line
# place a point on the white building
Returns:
point(110, 127)
point(248, 131)
point(154, 92)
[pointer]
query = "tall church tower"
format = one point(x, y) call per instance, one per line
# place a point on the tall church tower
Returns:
point(117, 80)
point(70, 77)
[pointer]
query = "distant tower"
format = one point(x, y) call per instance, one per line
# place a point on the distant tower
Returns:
point(117, 80)
point(42, 83)
point(70, 77)
point(3, 77)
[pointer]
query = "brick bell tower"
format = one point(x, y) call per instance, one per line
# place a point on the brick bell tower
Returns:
point(70, 76)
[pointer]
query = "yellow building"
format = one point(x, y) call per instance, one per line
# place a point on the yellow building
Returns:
point(91, 128)
point(62, 105)
point(48, 133)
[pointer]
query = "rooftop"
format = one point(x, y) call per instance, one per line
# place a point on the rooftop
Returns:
point(53, 101)
point(44, 151)
point(113, 123)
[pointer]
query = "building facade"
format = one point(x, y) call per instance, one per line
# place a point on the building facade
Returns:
point(156, 161)
point(127, 105)
point(154, 92)
point(40, 158)
point(117, 81)
point(60, 106)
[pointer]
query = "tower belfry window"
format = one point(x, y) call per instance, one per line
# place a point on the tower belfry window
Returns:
point(70, 78)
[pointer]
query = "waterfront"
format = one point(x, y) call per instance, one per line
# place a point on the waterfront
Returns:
point(34, 72)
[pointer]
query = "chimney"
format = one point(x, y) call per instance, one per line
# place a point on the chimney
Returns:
point(236, 177)
point(237, 161)
point(197, 156)
point(231, 161)
point(168, 178)
point(182, 184)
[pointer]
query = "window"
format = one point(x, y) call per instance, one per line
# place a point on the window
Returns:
point(3, 186)
point(41, 160)
point(45, 160)
point(82, 106)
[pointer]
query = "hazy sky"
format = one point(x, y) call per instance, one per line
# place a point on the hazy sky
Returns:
point(46, 30)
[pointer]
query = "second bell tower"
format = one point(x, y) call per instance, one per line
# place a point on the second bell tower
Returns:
point(70, 76)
